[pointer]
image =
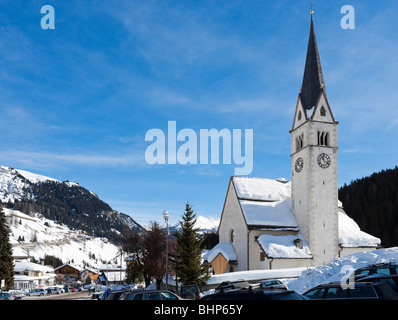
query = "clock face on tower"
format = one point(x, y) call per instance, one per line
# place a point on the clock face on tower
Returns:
point(324, 160)
point(298, 166)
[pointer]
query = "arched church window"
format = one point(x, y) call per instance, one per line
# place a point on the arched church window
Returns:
point(300, 142)
point(323, 111)
point(323, 138)
point(231, 235)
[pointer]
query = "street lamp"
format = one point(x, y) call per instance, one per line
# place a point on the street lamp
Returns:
point(166, 219)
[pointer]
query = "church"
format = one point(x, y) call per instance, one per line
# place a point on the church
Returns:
point(273, 224)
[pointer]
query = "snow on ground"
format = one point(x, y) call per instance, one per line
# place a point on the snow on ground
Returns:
point(255, 275)
point(339, 269)
point(302, 279)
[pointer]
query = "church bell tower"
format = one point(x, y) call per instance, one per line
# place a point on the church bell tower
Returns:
point(314, 161)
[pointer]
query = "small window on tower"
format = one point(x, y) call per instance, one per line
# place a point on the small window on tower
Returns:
point(299, 116)
point(323, 111)
point(300, 142)
point(323, 138)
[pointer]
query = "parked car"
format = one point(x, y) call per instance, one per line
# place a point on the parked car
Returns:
point(8, 296)
point(273, 284)
point(360, 291)
point(36, 292)
point(97, 295)
point(228, 285)
point(115, 294)
point(56, 290)
point(254, 294)
point(150, 295)
point(381, 268)
point(191, 292)
point(391, 280)
point(71, 289)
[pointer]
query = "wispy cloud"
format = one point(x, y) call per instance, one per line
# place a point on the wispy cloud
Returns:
point(46, 160)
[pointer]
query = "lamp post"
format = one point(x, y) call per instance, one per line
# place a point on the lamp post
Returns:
point(166, 219)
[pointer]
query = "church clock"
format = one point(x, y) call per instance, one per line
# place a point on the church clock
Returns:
point(324, 160)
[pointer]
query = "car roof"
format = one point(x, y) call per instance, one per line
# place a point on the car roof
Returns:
point(379, 265)
point(338, 283)
point(257, 290)
point(378, 276)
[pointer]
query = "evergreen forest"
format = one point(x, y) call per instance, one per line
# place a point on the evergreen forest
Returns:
point(373, 203)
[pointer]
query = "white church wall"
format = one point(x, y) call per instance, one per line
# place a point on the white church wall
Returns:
point(289, 263)
point(347, 251)
point(233, 222)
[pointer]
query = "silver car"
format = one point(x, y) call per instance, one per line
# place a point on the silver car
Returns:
point(36, 292)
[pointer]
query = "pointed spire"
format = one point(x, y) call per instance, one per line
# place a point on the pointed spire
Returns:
point(313, 78)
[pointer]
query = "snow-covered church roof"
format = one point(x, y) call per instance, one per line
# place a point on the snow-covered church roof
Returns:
point(266, 204)
point(351, 236)
point(284, 246)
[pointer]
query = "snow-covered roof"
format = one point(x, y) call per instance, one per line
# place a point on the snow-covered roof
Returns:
point(284, 246)
point(265, 203)
point(261, 189)
point(277, 214)
point(21, 266)
point(225, 248)
point(70, 265)
point(351, 236)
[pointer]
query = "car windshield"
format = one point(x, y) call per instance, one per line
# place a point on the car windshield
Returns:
point(188, 289)
point(315, 293)
point(167, 296)
point(270, 283)
point(383, 271)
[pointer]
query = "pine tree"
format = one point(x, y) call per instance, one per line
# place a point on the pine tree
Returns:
point(6, 260)
point(154, 255)
point(189, 253)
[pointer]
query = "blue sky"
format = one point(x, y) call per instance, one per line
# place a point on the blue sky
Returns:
point(77, 101)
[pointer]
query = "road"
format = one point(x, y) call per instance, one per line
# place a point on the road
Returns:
point(82, 295)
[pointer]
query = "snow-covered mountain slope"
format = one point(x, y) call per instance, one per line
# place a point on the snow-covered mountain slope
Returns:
point(13, 186)
point(37, 237)
point(64, 202)
point(204, 224)
point(16, 184)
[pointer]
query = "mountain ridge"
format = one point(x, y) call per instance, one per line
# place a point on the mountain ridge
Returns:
point(64, 202)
